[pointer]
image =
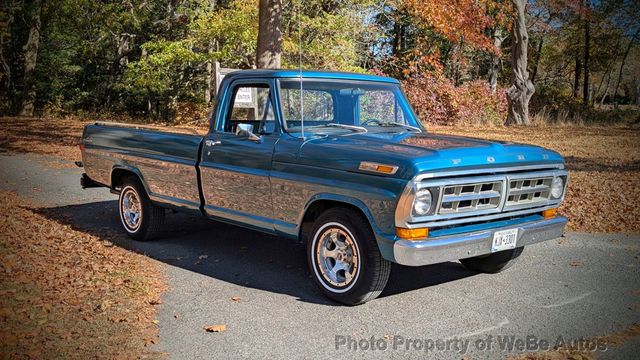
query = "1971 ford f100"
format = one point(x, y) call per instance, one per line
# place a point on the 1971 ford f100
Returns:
point(340, 161)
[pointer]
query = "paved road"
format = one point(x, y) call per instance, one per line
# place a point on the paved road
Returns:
point(582, 285)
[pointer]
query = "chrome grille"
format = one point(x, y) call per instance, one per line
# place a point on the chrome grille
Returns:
point(529, 191)
point(470, 197)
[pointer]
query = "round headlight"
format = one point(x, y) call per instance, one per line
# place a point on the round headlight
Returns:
point(557, 187)
point(422, 202)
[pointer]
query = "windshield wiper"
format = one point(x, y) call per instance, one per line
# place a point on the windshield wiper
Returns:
point(408, 127)
point(348, 127)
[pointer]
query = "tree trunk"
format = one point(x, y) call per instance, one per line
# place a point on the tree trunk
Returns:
point(30, 61)
point(494, 67)
point(606, 88)
point(269, 46)
point(396, 44)
point(210, 77)
point(522, 89)
point(209, 91)
point(576, 77)
point(624, 59)
point(578, 69)
point(537, 61)
point(587, 36)
point(5, 62)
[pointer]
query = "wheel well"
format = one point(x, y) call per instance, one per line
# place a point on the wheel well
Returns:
point(317, 208)
point(119, 175)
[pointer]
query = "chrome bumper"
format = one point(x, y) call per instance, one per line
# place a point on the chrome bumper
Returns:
point(460, 246)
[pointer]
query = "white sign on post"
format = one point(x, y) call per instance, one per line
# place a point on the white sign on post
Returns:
point(245, 97)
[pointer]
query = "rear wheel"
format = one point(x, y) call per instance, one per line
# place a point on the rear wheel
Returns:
point(140, 218)
point(344, 259)
point(493, 263)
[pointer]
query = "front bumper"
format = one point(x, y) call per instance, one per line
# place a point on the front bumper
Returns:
point(461, 246)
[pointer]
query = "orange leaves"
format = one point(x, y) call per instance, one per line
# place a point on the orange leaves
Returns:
point(460, 20)
point(68, 293)
point(437, 100)
point(215, 328)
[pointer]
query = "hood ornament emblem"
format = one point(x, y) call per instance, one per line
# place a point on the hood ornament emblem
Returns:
point(491, 159)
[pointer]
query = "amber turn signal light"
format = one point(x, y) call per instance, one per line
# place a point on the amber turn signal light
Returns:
point(412, 234)
point(379, 168)
point(385, 169)
point(548, 214)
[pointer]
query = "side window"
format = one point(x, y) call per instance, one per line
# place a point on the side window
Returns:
point(380, 105)
point(318, 106)
point(252, 105)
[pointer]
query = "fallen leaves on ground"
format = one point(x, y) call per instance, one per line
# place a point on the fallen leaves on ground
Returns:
point(216, 328)
point(557, 354)
point(609, 341)
point(236, 298)
point(64, 294)
point(619, 338)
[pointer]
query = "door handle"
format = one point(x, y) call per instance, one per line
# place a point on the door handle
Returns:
point(212, 142)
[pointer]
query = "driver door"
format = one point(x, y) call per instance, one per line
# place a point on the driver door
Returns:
point(235, 169)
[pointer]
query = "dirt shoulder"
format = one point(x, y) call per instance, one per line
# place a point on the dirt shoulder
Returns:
point(68, 294)
point(604, 162)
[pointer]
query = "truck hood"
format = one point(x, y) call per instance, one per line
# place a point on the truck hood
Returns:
point(414, 153)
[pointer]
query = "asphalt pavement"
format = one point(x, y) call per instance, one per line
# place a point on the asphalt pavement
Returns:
point(581, 286)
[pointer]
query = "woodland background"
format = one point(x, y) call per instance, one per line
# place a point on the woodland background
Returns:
point(151, 60)
point(64, 63)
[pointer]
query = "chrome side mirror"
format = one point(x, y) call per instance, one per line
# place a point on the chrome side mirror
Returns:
point(246, 131)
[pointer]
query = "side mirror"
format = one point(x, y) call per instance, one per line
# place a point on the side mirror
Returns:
point(246, 131)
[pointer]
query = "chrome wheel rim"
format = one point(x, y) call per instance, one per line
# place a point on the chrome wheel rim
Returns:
point(337, 256)
point(131, 209)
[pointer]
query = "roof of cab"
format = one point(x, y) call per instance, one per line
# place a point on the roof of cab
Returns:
point(320, 74)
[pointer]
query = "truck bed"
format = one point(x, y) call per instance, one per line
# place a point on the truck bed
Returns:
point(165, 161)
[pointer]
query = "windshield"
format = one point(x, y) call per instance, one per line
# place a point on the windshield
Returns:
point(343, 105)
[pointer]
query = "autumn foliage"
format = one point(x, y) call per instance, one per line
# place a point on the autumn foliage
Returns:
point(459, 20)
point(437, 100)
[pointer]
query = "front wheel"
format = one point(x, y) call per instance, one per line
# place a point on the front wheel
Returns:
point(140, 218)
point(493, 263)
point(344, 259)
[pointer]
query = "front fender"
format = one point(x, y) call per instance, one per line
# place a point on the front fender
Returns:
point(342, 199)
point(383, 239)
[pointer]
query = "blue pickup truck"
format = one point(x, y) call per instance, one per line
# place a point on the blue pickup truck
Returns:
point(339, 161)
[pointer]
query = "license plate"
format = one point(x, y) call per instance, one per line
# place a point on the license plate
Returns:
point(504, 240)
